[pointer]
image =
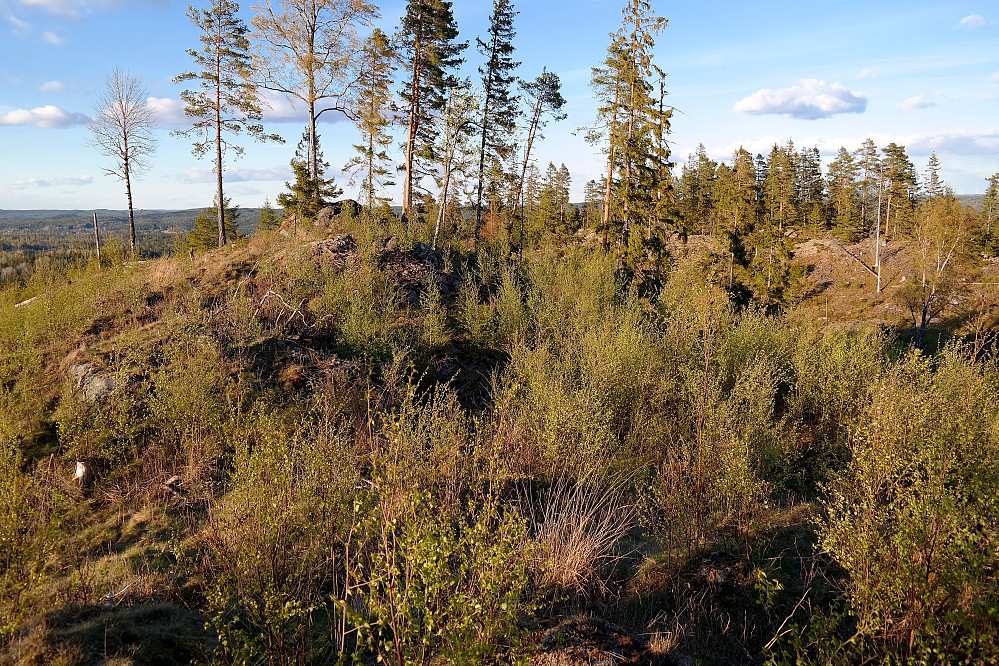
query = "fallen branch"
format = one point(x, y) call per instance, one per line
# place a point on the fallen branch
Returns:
point(857, 259)
point(285, 307)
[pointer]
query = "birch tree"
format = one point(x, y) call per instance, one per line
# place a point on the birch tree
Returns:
point(122, 129)
point(305, 50)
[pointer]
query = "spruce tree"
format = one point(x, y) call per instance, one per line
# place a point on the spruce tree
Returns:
point(227, 99)
point(934, 186)
point(990, 211)
point(499, 104)
point(308, 194)
point(430, 55)
point(844, 199)
point(268, 218)
point(204, 234)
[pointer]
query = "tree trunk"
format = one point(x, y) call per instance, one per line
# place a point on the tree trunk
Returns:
point(532, 128)
point(482, 148)
point(414, 110)
point(220, 204)
point(128, 195)
point(610, 167)
point(97, 239)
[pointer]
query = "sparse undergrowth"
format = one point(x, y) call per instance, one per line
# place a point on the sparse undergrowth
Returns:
point(314, 448)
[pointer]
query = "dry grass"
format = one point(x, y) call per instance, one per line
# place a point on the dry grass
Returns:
point(576, 527)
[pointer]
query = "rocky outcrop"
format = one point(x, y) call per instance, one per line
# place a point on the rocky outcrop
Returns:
point(94, 385)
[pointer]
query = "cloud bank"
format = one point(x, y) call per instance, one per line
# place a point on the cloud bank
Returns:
point(74, 9)
point(237, 175)
point(811, 99)
point(45, 117)
point(60, 180)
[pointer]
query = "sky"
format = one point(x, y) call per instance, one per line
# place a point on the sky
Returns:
point(924, 74)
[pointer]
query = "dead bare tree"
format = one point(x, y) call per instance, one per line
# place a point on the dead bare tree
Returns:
point(123, 129)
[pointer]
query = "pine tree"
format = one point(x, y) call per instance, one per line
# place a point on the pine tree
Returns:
point(227, 99)
point(632, 118)
point(810, 187)
point(372, 108)
point(900, 188)
point(779, 191)
point(308, 194)
point(430, 54)
point(869, 169)
point(545, 101)
point(499, 104)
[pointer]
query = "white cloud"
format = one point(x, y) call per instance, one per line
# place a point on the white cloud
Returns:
point(20, 27)
point(993, 79)
point(45, 117)
point(169, 112)
point(60, 180)
point(237, 175)
point(29, 182)
point(809, 100)
point(74, 9)
point(714, 60)
point(974, 21)
point(52, 38)
point(52, 86)
point(867, 73)
point(917, 102)
point(74, 180)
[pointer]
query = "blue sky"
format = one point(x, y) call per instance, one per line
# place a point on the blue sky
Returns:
point(922, 74)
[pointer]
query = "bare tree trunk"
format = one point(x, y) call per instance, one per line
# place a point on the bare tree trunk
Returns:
point(131, 217)
point(313, 152)
point(220, 204)
point(97, 239)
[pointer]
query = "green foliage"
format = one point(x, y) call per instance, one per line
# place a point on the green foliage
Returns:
point(205, 234)
point(308, 194)
point(912, 517)
point(269, 559)
point(435, 584)
point(268, 218)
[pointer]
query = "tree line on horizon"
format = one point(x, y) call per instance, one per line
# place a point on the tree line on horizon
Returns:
point(467, 144)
